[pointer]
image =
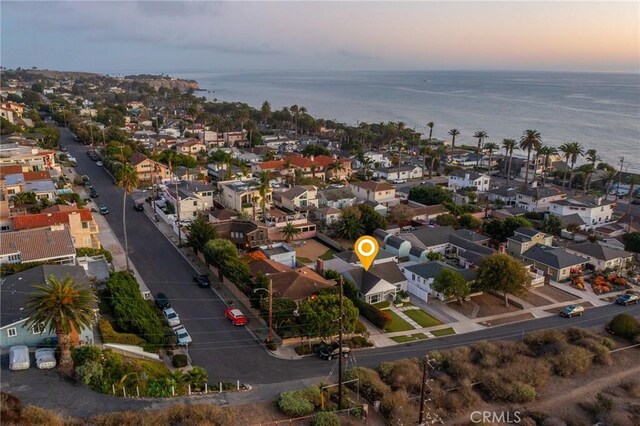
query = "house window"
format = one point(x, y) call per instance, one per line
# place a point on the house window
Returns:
point(195, 203)
point(38, 328)
point(12, 332)
point(85, 225)
point(413, 277)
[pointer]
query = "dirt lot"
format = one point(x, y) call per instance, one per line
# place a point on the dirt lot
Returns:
point(311, 249)
point(500, 321)
point(555, 293)
point(534, 299)
point(488, 304)
point(571, 400)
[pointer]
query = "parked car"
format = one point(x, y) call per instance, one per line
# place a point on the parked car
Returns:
point(99, 164)
point(572, 311)
point(103, 209)
point(63, 148)
point(45, 358)
point(627, 299)
point(19, 358)
point(182, 335)
point(332, 351)
point(93, 193)
point(202, 280)
point(235, 316)
point(162, 301)
point(139, 205)
point(171, 316)
point(400, 181)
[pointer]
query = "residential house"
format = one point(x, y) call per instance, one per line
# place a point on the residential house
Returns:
point(192, 196)
point(243, 197)
point(150, 171)
point(524, 238)
point(52, 244)
point(380, 192)
point(297, 284)
point(298, 198)
point(378, 160)
point(379, 283)
point(538, 199)
point(416, 212)
point(556, 262)
point(83, 229)
point(593, 211)
point(245, 234)
point(402, 172)
point(190, 147)
point(506, 196)
point(34, 158)
point(281, 253)
point(337, 198)
point(329, 215)
point(277, 219)
point(420, 277)
point(601, 257)
point(468, 179)
point(16, 289)
point(321, 167)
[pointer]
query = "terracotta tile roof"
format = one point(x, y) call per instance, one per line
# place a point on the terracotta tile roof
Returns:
point(38, 244)
point(270, 165)
point(30, 176)
point(10, 169)
point(40, 220)
point(267, 266)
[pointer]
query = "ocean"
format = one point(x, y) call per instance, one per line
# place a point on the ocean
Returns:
point(599, 110)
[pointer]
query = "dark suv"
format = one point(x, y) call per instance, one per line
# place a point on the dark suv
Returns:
point(332, 351)
point(162, 301)
point(93, 193)
point(202, 280)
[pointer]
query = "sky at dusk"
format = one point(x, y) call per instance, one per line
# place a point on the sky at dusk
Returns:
point(165, 36)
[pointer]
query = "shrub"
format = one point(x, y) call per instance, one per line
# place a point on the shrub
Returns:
point(294, 404)
point(197, 377)
point(160, 387)
point(109, 335)
point(522, 392)
point(90, 373)
point(179, 361)
point(405, 374)
point(313, 394)
point(325, 418)
point(601, 352)
point(374, 315)
point(396, 408)
point(360, 328)
point(548, 341)
point(571, 360)
point(360, 342)
point(88, 251)
point(32, 415)
point(84, 354)
point(457, 363)
point(624, 325)
point(371, 385)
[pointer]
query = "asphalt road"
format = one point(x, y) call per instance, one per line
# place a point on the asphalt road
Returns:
point(230, 353)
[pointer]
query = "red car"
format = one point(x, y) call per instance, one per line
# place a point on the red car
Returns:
point(236, 316)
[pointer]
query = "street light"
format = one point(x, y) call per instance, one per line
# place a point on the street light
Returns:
point(270, 291)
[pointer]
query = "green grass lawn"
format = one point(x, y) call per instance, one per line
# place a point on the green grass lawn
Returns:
point(409, 338)
point(422, 318)
point(443, 332)
point(397, 324)
point(304, 259)
point(328, 255)
point(382, 305)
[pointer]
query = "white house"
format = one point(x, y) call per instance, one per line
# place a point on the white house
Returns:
point(538, 199)
point(330, 215)
point(377, 158)
point(281, 253)
point(601, 256)
point(593, 211)
point(337, 198)
point(403, 172)
point(420, 277)
point(468, 178)
point(380, 192)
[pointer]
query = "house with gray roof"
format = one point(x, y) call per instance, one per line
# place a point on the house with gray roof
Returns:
point(380, 282)
point(504, 194)
point(524, 238)
point(468, 179)
point(555, 262)
point(16, 289)
point(337, 198)
point(420, 277)
point(601, 256)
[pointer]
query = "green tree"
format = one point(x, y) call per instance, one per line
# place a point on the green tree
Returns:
point(319, 315)
point(481, 135)
point(632, 242)
point(61, 306)
point(371, 219)
point(592, 157)
point(290, 231)
point(552, 225)
point(500, 230)
point(530, 141)
point(429, 195)
point(315, 150)
point(571, 151)
point(504, 274)
point(453, 133)
point(127, 179)
point(349, 225)
point(430, 126)
point(451, 284)
point(434, 255)
point(220, 252)
point(264, 189)
point(469, 221)
point(199, 232)
point(491, 148)
point(447, 219)
point(197, 377)
point(509, 145)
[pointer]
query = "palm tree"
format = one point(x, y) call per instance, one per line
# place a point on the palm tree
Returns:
point(127, 179)
point(481, 135)
point(426, 151)
point(571, 151)
point(530, 140)
point(366, 165)
point(336, 167)
point(289, 231)
point(609, 175)
point(294, 112)
point(264, 189)
point(436, 153)
point(547, 151)
point(508, 145)
point(401, 145)
point(453, 133)
point(62, 306)
point(430, 126)
point(265, 112)
point(491, 148)
point(592, 157)
point(23, 198)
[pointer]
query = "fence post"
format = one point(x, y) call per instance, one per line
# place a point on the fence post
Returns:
point(113, 388)
point(138, 391)
point(189, 388)
point(173, 391)
point(220, 387)
point(206, 388)
point(238, 385)
point(124, 391)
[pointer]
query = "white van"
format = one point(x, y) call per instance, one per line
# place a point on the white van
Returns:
point(19, 358)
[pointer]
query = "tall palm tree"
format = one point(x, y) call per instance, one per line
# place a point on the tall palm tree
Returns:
point(592, 157)
point(571, 151)
point(453, 133)
point(264, 189)
point(426, 151)
point(336, 167)
point(62, 306)
point(366, 165)
point(127, 179)
point(289, 231)
point(401, 145)
point(508, 145)
point(430, 126)
point(609, 175)
point(295, 111)
point(546, 151)
point(491, 148)
point(529, 141)
point(481, 135)
point(23, 198)
point(436, 154)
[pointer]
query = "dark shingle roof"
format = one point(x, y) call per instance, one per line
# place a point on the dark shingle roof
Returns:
point(556, 257)
point(350, 256)
point(599, 251)
point(432, 268)
point(526, 231)
point(394, 241)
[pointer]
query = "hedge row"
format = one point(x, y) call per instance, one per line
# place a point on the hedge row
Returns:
point(109, 335)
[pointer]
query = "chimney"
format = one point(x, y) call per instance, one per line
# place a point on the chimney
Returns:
point(502, 248)
point(319, 266)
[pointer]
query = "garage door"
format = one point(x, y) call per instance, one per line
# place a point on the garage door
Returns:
point(417, 291)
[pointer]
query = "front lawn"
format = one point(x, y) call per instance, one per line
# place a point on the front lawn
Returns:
point(443, 332)
point(327, 255)
point(422, 318)
point(396, 323)
point(409, 338)
point(382, 305)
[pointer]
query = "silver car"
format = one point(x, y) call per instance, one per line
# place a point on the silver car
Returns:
point(181, 334)
point(171, 316)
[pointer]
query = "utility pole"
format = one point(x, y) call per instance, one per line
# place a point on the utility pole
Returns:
point(175, 180)
point(270, 335)
point(340, 349)
point(620, 180)
point(426, 388)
